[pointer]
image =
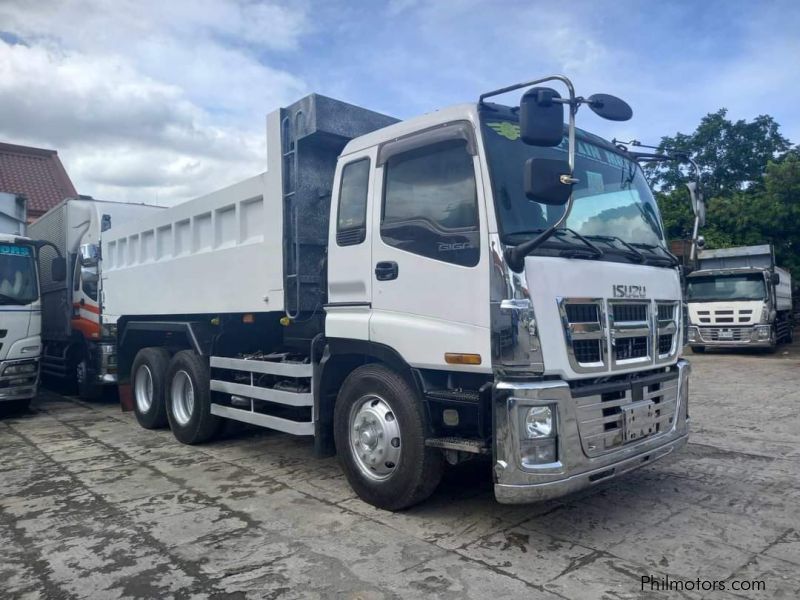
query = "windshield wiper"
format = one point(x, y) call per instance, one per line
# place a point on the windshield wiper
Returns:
point(591, 251)
point(667, 257)
point(634, 253)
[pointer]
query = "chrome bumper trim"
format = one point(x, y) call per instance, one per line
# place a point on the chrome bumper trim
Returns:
point(519, 482)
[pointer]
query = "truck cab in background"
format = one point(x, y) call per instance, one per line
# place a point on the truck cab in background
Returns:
point(20, 305)
point(739, 297)
point(79, 342)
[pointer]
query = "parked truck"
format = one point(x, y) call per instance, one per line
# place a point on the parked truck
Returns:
point(739, 297)
point(474, 281)
point(79, 345)
point(20, 304)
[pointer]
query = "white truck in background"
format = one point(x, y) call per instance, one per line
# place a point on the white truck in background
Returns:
point(79, 344)
point(473, 281)
point(20, 305)
point(739, 297)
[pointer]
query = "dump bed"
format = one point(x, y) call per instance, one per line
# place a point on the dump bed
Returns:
point(13, 214)
point(783, 291)
point(258, 245)
point(743, 257)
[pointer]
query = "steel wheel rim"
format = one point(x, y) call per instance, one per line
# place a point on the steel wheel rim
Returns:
point(374, 437)
point(182, 396)
point(143, 388)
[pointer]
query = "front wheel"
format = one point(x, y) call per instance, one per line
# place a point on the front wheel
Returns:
point(379, 432)
point(189, 399)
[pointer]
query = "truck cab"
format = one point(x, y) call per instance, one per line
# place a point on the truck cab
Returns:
point(739, 298)
point(20, 320)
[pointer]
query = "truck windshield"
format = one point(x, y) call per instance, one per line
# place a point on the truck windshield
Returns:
point(726, 287)
point(17, 275)
point(612, 198)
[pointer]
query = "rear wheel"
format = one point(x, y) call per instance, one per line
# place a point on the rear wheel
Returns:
point(87, 388)
point(188, 399)
point(379, 431)
point(148, 375)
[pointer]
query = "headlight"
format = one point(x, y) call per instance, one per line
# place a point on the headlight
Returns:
point(693, 334)
point(763, 332)
point(539, 422)
point(20, 369)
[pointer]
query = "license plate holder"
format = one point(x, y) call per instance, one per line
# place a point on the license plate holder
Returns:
point(637, 420)
point(726, 334)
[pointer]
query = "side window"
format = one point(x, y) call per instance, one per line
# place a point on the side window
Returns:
point(431, 203)
point(351, 225)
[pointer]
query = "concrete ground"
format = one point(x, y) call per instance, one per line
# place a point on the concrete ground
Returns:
point(92, 506)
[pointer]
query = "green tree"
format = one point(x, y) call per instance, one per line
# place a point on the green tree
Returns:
point(750, 177)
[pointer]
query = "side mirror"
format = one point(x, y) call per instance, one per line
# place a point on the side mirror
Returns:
point(700, 242)
point(610, 107)
point(775, 278)
point(541, 120)
point(58, 269)
point(547, 181)
point(90, 255)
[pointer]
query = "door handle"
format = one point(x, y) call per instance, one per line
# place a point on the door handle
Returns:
point(386, 270)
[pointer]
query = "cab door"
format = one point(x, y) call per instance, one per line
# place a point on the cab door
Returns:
point(430, 277)
point(350, 249)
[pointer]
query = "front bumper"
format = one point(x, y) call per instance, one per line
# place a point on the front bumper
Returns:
point(519, 481)
point(743, 337)
point(18, 386)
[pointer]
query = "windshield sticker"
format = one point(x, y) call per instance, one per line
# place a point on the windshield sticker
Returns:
point(10, 250)
point(508, 130)
point(594, 182)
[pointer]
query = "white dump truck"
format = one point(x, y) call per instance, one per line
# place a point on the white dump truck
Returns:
point(739, 297)
point(479, 280)
point(20, 304)
point(79, 346)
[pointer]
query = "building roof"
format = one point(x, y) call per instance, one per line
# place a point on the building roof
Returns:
point(35, 173)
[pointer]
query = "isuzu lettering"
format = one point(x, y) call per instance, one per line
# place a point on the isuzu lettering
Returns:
point(474, 281)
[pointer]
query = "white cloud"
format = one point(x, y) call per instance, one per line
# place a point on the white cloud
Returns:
point(146, 98)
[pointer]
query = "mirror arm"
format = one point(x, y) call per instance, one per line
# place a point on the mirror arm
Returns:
point(515, 256)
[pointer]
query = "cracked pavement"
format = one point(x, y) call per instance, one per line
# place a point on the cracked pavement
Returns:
point(92, 506)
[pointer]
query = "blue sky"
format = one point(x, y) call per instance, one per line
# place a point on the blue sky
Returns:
point(161, 101)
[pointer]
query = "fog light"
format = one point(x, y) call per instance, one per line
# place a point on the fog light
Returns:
point(540, 452)
point(693, 334)
point(539, 422)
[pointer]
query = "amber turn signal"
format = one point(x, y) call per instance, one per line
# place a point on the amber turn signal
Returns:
point(456, 358)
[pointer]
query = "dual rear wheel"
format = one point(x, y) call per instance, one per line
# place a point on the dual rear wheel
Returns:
point(174, 391)
point(379, 424)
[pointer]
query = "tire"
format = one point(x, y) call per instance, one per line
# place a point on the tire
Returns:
point(384, 403)
point(188, 399)
point(86, 390)
point(149, 387)
point(698, 349)
point(15, 407)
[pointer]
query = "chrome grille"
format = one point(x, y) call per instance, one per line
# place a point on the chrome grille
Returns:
point(601, 418)
point(712, 334)
point(616, 334)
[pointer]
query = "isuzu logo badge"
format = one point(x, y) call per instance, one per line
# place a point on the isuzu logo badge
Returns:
point(629, 291)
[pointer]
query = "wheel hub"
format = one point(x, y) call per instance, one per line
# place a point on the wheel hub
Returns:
point(374, 437)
